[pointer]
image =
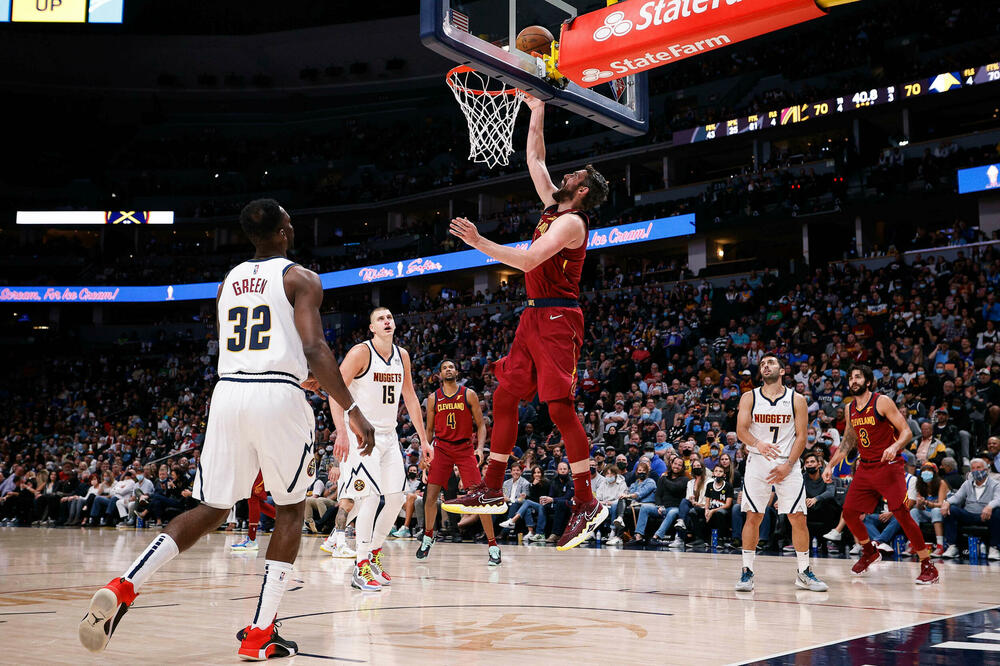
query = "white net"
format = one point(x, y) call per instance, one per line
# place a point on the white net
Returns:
point(490, 109)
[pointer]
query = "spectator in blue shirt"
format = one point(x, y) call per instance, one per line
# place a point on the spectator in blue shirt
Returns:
point(991, 309)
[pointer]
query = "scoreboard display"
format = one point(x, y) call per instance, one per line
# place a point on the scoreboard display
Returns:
point(61, 11)
point(861, 99)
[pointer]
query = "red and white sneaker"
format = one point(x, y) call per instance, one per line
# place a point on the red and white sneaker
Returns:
point(869, 555)
point(928, 573)
point(479, 500)
point(583, 521)
point(364, 578)
point(261, 644)
point(381, 575)
point(107, 607)
point(938, 551)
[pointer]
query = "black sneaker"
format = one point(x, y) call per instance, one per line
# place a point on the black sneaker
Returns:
point(494, 556)
point(425, 547)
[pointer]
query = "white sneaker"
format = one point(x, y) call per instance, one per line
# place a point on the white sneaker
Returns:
point(619, 521)
point(884, 547)
point(679, 523)
point(833, 535)
point(403, 533)
point(343, 553)
point(614, 541)
point(807, 580)
point(676, 543)
point(855, 549)
point(589, 537)
point(329, 544)
point(994, 553)
point(951, 552)
point(508, 524)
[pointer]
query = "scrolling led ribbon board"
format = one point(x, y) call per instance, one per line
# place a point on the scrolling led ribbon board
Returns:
point(632, 37)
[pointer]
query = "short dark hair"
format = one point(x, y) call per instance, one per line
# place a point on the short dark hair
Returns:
point(598, 188)
point(867, 372)
point(810, 455)
point(447, 360)
point(261, 218)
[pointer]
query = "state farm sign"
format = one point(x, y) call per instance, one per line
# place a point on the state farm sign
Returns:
point(631, 37)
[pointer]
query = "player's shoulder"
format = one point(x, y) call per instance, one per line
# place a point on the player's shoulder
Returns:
point(749, 395)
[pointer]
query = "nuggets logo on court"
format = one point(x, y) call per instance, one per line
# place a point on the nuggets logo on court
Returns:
point(359, 485)
point(312, 468)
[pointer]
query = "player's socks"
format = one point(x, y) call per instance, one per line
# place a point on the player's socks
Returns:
point(803, 560)
point(492, 542)
point(340, 538)
point(160, 551)
point(582, 488)
point(748, 557)
point(276, 575)
point(253, 508)
point(564, 416)
point(940, 540)
point(252, 530)
point(429, 534)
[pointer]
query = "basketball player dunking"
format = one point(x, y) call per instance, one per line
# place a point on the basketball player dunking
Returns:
point(377, 374)
point(772, 422)
point(451, 411)
point(546, 347)
point(256, 505)
point(258, 421)
point(876, 427)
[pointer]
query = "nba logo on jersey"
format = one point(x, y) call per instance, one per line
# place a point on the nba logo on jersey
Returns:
point(256, 268)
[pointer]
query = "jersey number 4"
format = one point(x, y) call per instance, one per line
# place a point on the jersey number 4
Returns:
point(388, 395)
point(451, 421)
point(261, 316)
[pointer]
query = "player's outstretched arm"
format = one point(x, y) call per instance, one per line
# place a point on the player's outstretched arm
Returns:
point(535, 152)
point(477, 417)
point(887, 408)
point(305, 293)
point(566, 231)
point(412, 403)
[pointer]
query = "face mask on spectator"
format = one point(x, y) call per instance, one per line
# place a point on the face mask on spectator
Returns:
point(837, 398)
point(140, 477)
point(980, 474)
point(714, 451)
point(593, 471)
point(810, 438)
point(938, 371)
point(927, 475)
point(640, 475)
point(812, 469)
point(622, 465)
point(411, 475)
point(901, 385)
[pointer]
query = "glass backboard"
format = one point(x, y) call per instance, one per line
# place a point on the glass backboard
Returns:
point(481, 33)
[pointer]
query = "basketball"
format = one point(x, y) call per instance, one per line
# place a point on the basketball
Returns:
point(534, 38)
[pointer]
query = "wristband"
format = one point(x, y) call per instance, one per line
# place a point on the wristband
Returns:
point(353, 406)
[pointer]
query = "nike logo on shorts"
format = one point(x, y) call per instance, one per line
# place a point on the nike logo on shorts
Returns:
point(554, 316)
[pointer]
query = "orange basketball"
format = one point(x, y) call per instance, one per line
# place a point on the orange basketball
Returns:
point(534, 38)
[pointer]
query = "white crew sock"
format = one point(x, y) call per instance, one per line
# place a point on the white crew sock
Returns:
point(276, 575)
point(803, 560)
point(940, 540)
point(161, 550)
point(339, 538)
point(748, 556)
point(387, 518)
point(365, 525)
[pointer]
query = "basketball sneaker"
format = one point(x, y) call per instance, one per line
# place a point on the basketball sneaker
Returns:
point(585, 519)
point(425, 547)
point(107, 607)
point(745, 583)
point(329, 544)
point(380, 574)
point(364, 578)
point(479, 500)
point(928, 573)
point(494, 556)
point(262, 644)
point(807, 580)
point(869, 555)
point(343, 552)
point(246, 544)
point(938, 551)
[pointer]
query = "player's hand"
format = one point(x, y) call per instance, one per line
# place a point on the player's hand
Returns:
point(311, 384)
point(890, 454)
point(768, 449)
point(364, 432)
point(340, 446)
point(426, 455)
point(533, 102)
point(779, 473)
point(828, 473)
point(466, 231)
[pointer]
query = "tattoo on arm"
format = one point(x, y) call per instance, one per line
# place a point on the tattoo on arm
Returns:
point(848, 442)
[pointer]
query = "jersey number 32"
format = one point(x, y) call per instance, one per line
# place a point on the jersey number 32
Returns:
point(261, 318)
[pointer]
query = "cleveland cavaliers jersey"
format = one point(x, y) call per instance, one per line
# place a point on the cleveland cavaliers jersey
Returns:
point(257, 323)
point(378, 390)
point(559, 275)
point(774, 421)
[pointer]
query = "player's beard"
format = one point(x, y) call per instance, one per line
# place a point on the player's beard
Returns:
point(860, 391)
point(774, 379)
point(562, 195)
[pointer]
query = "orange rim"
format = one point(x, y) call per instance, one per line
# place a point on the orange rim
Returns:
point(462, 69)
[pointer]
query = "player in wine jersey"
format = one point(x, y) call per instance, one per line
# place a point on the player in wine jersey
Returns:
point(879, 431)
point(258, 421)
point(451, 412)
point(378, 375)
point(772, 422)
point(256, 505)
point(543, 357)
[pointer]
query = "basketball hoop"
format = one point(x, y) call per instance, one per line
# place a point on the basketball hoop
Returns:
point(489, 111)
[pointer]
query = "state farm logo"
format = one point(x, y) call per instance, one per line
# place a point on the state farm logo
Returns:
point(615, 24)
point(591, 74)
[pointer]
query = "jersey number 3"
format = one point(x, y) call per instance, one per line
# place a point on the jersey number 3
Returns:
point(261, 317)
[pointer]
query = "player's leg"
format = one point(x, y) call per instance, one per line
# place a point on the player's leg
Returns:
point(791, 501)
point(364, 578)
point(893, 481)
point(861, 499)
point(430, 517)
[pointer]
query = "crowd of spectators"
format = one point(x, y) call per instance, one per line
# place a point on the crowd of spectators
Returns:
point(106, 438)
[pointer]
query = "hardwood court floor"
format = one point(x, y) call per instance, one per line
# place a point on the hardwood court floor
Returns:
point(585, 606)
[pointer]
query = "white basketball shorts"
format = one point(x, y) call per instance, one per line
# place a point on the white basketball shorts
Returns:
point(256, 425)
point(381, 473)
point(791, 491)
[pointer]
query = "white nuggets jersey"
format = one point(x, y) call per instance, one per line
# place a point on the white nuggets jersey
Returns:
point(257, 323)
point(774, 421)
point(379, 389)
